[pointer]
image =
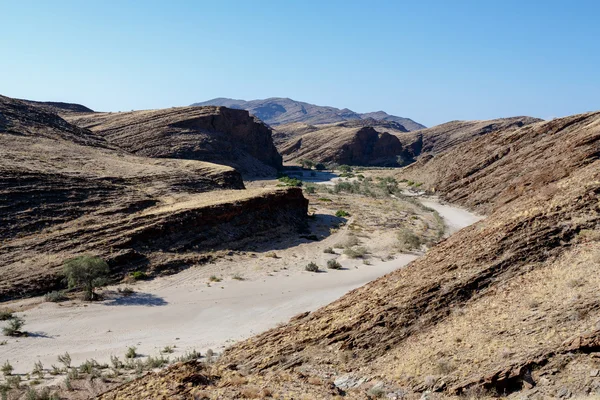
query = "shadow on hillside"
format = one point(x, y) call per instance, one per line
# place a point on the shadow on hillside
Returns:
point(42, 335)
point(137, 299)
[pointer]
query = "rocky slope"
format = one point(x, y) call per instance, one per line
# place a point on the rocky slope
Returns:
point(365, 143)
point(507, 306)
point(65, 191)
point(442, 137)
point(59, 108)
point(276, 111)
point(211, 134)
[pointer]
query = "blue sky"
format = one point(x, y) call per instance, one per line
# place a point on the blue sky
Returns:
point(432, 61)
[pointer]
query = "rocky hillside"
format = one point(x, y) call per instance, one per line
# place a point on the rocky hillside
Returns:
point(505, 307)
point(58, 107)
point(352, 143)
point(66, 191)
point(211, 134)
point(502, 166)
point(276, 111)
point(442, 137)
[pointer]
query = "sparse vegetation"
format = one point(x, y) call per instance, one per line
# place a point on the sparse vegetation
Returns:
point(312, 267)
point(214, 278)
point(325, 199)
point(189, 356)
point(329, 250)
point(355, 252)
point(167, 350)
point(310, 188)
point(65, 359)
point(407, 240)
point(287, 181)
point(333, 264)
point(131, 352)
point(5, 315)
point(14, 327)
point(55, 296)
point(88, 272)
point(38, 369)
point(139, 275)
point(7, 369)
point(342, 213)
point(237, 277)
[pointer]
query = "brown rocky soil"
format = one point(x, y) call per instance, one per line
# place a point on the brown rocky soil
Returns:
point(507, 306)
point(212, 134)
point(66, 191)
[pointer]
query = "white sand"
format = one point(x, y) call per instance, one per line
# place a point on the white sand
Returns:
point(181, 310)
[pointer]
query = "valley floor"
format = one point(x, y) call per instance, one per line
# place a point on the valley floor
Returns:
point(194, 310)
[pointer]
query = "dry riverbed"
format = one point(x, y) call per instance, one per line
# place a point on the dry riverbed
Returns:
point(241, 294)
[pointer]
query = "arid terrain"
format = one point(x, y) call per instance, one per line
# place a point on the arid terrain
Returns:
point(360, 283)
point(505, 307)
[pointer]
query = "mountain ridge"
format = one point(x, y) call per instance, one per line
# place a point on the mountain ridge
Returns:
point(282, 110)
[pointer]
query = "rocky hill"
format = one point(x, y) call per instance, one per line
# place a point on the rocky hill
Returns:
point(57, 107)
point(65, 191)
point(354, 143)
point(505, 307)
point(211, 134)
point(442, 137)
point(276, 111)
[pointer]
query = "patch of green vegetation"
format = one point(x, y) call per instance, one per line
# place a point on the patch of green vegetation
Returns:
point(214, 278)
point(310, 188)
point(287, 181)
point(131, 352)
point(88, 272)
point(342, 213)
point(325, 199)
point(355, 252)
point(5, 315)
point(55, 296)
point(333, 264)
point(139, 275)
point(407, 240)
point(14, 327)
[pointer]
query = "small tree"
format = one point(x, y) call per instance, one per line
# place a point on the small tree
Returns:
point(320, 167)
point(88, 272)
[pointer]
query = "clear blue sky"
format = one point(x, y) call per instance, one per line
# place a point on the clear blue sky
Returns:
point(432, 61)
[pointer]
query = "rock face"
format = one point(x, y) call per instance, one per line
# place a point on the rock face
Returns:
point(442, 137)
point(503, 306)
point(211, 134)
point(276, 111)
point(58, 107)
point(348, 143)
point(65, 191)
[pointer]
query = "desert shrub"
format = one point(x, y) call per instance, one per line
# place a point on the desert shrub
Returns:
point(55, 370)
point(408, 240)
point(312, 267)
point(345, 168)
point(167, 350)
point(131, 352)
point(333, 264)
point(329, 250)
point(271, 254)
point(189, 356)
point(287, 181)
point(38, 369)
point(88, 272)
point(5, 315)
point(14, 327)
point(139, 275)
point(310, 188)
point(320, 167)
point(3, 342)
point(65, 359)
point(342, 213)
point(116, 363)
point(355, 252)
point(307, 164)
point(156, 362)
point(13, 381)
point(237, 277)
point(325, 199)
point(214, 278)
point(55, 296)
point(88, 366)
point(6, 369)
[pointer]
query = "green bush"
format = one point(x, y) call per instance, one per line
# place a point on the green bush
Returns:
point(333, 264)
point(6, 369)
point(65, 359)
point(312, 267)
point(342, 213)
point(131, 352)
point(139, 275)
point(320, 167)
point(88, 272)
point(325, 199)
point(14, 327)
point(310, 188)
point(287, 181)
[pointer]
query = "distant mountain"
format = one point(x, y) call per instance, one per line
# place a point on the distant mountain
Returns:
point(276, 111)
